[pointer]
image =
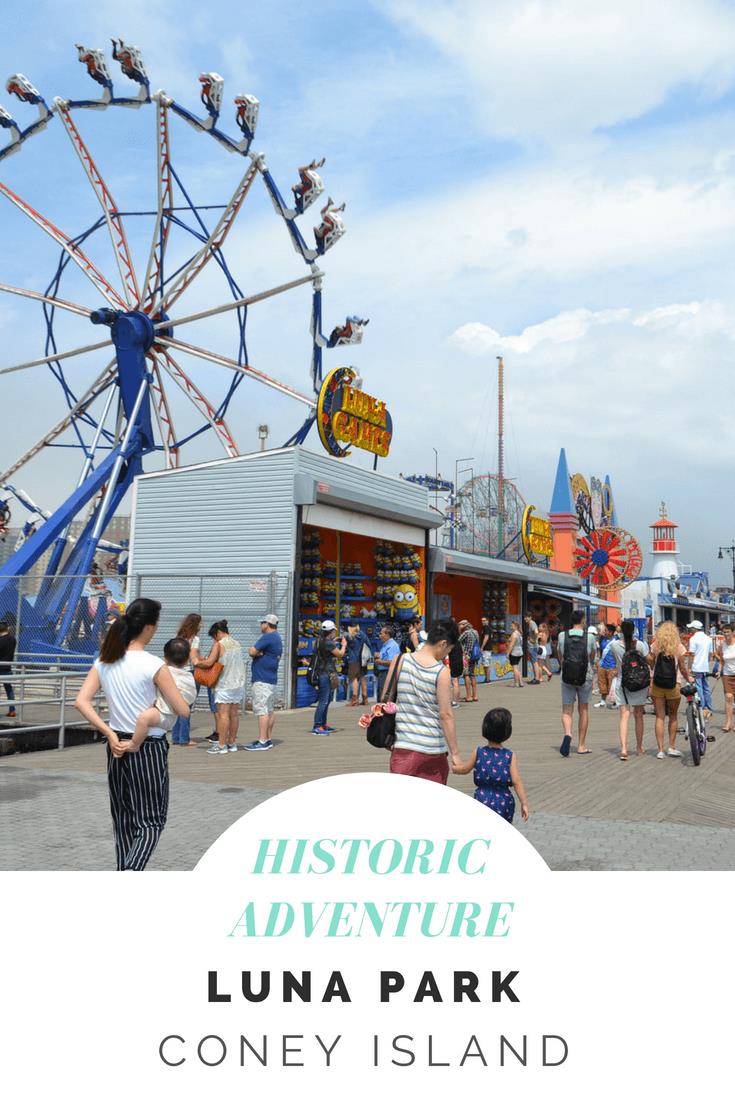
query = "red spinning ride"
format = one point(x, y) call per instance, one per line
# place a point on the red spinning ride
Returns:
point(610, 558)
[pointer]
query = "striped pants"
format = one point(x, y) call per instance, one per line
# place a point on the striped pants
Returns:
point(138, 802)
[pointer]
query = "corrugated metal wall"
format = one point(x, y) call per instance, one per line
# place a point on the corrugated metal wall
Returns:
point(395, 493)
point(238, 516)
point(235, 517)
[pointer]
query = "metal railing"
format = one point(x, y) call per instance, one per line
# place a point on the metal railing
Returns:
point(54, 690)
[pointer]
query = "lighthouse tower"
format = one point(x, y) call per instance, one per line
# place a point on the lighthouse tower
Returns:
point(664, 549)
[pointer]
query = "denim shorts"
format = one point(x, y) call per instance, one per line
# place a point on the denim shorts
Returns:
point(576, 693)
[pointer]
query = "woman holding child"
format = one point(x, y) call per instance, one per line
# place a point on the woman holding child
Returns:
point(137, 763)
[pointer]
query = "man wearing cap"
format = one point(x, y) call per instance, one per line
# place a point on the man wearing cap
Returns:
point(266, 654)
point(389, 650)
point(700, 651)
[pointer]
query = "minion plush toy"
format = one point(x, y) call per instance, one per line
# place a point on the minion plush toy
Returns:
point(405, 604)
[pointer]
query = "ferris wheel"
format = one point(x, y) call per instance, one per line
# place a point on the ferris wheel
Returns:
point(483, 527)
point(122, 385)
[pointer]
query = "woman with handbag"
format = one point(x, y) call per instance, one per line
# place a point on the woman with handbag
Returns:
point(229, 686)
point(425, 728)
point(328, 649)
point(130, 679)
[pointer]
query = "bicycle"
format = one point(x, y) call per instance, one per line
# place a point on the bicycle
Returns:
point(696, 729)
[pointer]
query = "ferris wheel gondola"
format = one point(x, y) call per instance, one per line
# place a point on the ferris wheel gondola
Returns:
point(128, 411)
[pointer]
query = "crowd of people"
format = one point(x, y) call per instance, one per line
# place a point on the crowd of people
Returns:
point(421, 672)
point(627, 674)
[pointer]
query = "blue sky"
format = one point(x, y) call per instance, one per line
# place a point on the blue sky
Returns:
point(550, 181)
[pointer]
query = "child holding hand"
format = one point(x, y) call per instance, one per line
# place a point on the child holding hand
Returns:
point(496, 769)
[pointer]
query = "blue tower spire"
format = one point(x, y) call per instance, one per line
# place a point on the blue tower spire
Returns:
point(614, 517)
point(561, 498)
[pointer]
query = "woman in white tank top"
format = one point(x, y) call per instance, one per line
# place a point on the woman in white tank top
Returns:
point(138, 775)
point(230, 687)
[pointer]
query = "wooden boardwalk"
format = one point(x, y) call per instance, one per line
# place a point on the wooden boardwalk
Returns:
point(596, 786)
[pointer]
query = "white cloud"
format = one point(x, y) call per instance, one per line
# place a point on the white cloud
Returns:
point(664, 314)
point(689, 320)
point(562, 68)
point(570, 325)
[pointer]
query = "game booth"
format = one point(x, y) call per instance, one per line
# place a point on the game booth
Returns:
point(302, 532)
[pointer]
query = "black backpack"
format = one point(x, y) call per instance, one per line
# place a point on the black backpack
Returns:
point(664, 671)
point(575, 662)
point(313, 670)
point(635, 672)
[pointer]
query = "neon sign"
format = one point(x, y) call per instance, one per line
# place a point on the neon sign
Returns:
point(347, 415)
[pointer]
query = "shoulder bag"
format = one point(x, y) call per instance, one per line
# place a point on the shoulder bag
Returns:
point(381, 731)
point(209, 676)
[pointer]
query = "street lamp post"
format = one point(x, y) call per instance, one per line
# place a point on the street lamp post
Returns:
point(436, 491)
point(731, 552)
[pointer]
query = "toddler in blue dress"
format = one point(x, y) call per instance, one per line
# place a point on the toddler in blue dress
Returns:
point(496, 768)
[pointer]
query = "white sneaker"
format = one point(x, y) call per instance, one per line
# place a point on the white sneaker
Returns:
point(662, 755)
point(674, 753)
point(231, 749)
point(215, 748)
point(600, 704)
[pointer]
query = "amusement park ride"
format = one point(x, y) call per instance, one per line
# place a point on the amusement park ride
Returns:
point(125, 413)
point(607, 556)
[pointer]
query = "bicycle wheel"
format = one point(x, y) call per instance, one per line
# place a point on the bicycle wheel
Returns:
point(693, 735)
point(701, 732)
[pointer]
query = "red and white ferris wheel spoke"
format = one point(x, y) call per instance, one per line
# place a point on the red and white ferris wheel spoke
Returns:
point(163, 417)
point(202, 404)
point(214, 242)
point(73, 251)
point(97, 387)
point(56, 356)
point(169, 323)
point(109, 207)
point(244, 369)
point(151, 284)
point(61, 303)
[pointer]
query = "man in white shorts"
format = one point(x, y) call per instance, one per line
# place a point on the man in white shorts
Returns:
point(266, 654)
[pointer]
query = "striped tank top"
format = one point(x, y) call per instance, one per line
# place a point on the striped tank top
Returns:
point(418, 726)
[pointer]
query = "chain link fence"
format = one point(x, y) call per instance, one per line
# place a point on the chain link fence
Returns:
point(60, 621)
point(241, 599)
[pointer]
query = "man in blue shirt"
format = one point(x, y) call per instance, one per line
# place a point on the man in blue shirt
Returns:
point(389, 650)
point(266, 654)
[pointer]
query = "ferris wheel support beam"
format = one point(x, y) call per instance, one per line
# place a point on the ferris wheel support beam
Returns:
point(29, 554)
point(60, 303)
point(57, 356)
point(162, 413)
point(61, 542)
point(109, 207)
point(213, 244)
point(98, 386)
point(73, 251)
point(204, 407)
point(236, 304)
point(245, 369)
point(153, 282)
point(116, 486)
